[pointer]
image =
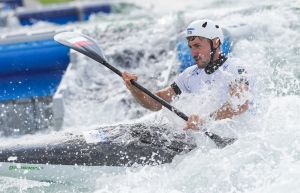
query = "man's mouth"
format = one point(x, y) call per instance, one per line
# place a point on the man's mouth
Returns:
point(199, 57)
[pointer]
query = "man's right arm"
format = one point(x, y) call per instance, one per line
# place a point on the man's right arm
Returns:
point(146, 101)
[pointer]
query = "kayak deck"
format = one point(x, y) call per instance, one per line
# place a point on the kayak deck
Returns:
point(121, 145)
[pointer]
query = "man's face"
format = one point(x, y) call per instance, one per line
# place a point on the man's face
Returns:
point(200, 49)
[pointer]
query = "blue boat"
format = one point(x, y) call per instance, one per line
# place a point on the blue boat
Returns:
point(31, 69)
point(31, 65)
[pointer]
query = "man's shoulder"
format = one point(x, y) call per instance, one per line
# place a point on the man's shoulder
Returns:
point(234, 65)
point(190, 70)
point(237, 69)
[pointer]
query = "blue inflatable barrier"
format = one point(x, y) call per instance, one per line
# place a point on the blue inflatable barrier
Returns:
point(32, 57)
point(62, 14)
point(26, 86)
point(88, 10)
point(10, 4)
point(185, 57)
point(59, 16)
point(31, 67)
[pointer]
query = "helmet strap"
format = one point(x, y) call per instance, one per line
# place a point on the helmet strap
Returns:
point(212, 51)
point(214, 65)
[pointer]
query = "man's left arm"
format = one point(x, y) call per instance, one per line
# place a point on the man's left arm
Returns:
point(238, 102)
point(236, 105)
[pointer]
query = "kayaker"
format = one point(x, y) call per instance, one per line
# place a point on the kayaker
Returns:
point(213, 70)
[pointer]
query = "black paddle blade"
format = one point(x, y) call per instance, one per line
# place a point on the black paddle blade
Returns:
point(221, 142)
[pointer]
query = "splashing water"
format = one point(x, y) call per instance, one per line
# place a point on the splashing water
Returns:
point(142, 40)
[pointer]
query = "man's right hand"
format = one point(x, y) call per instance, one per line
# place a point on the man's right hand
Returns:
point(127, 77)
point(144, 99)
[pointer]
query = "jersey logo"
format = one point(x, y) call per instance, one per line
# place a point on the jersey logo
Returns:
point(209, 81)
point(241, 71)
point(225, 66)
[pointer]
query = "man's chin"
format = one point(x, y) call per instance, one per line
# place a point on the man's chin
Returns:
point(201, 65)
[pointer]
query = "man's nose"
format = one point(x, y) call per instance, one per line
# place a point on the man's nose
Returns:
point(194, 52)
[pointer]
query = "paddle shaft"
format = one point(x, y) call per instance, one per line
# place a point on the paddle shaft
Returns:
point(155, 97)
point(99, 59)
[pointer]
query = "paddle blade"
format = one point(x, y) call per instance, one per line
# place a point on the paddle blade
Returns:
point(84, 45)
point(80, 43)
point(221, 142)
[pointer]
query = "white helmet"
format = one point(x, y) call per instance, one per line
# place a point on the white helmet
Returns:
point(205, 28)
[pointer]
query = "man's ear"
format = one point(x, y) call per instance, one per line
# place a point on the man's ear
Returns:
point(216, 42)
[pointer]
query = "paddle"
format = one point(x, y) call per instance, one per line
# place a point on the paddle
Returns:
point(89, 47)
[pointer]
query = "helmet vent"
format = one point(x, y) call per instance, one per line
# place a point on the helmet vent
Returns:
point(204, 25)
point(217, 26)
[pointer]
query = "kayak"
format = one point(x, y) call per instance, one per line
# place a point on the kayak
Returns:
point(108, 148)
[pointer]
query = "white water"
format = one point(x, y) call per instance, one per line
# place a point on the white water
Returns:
point(266, 157)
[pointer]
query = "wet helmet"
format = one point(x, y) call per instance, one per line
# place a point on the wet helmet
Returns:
point(205, 28)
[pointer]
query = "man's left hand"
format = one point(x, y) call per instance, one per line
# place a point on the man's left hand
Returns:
point(194, 122)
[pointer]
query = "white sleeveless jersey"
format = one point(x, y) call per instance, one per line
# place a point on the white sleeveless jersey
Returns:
point(217, 84)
